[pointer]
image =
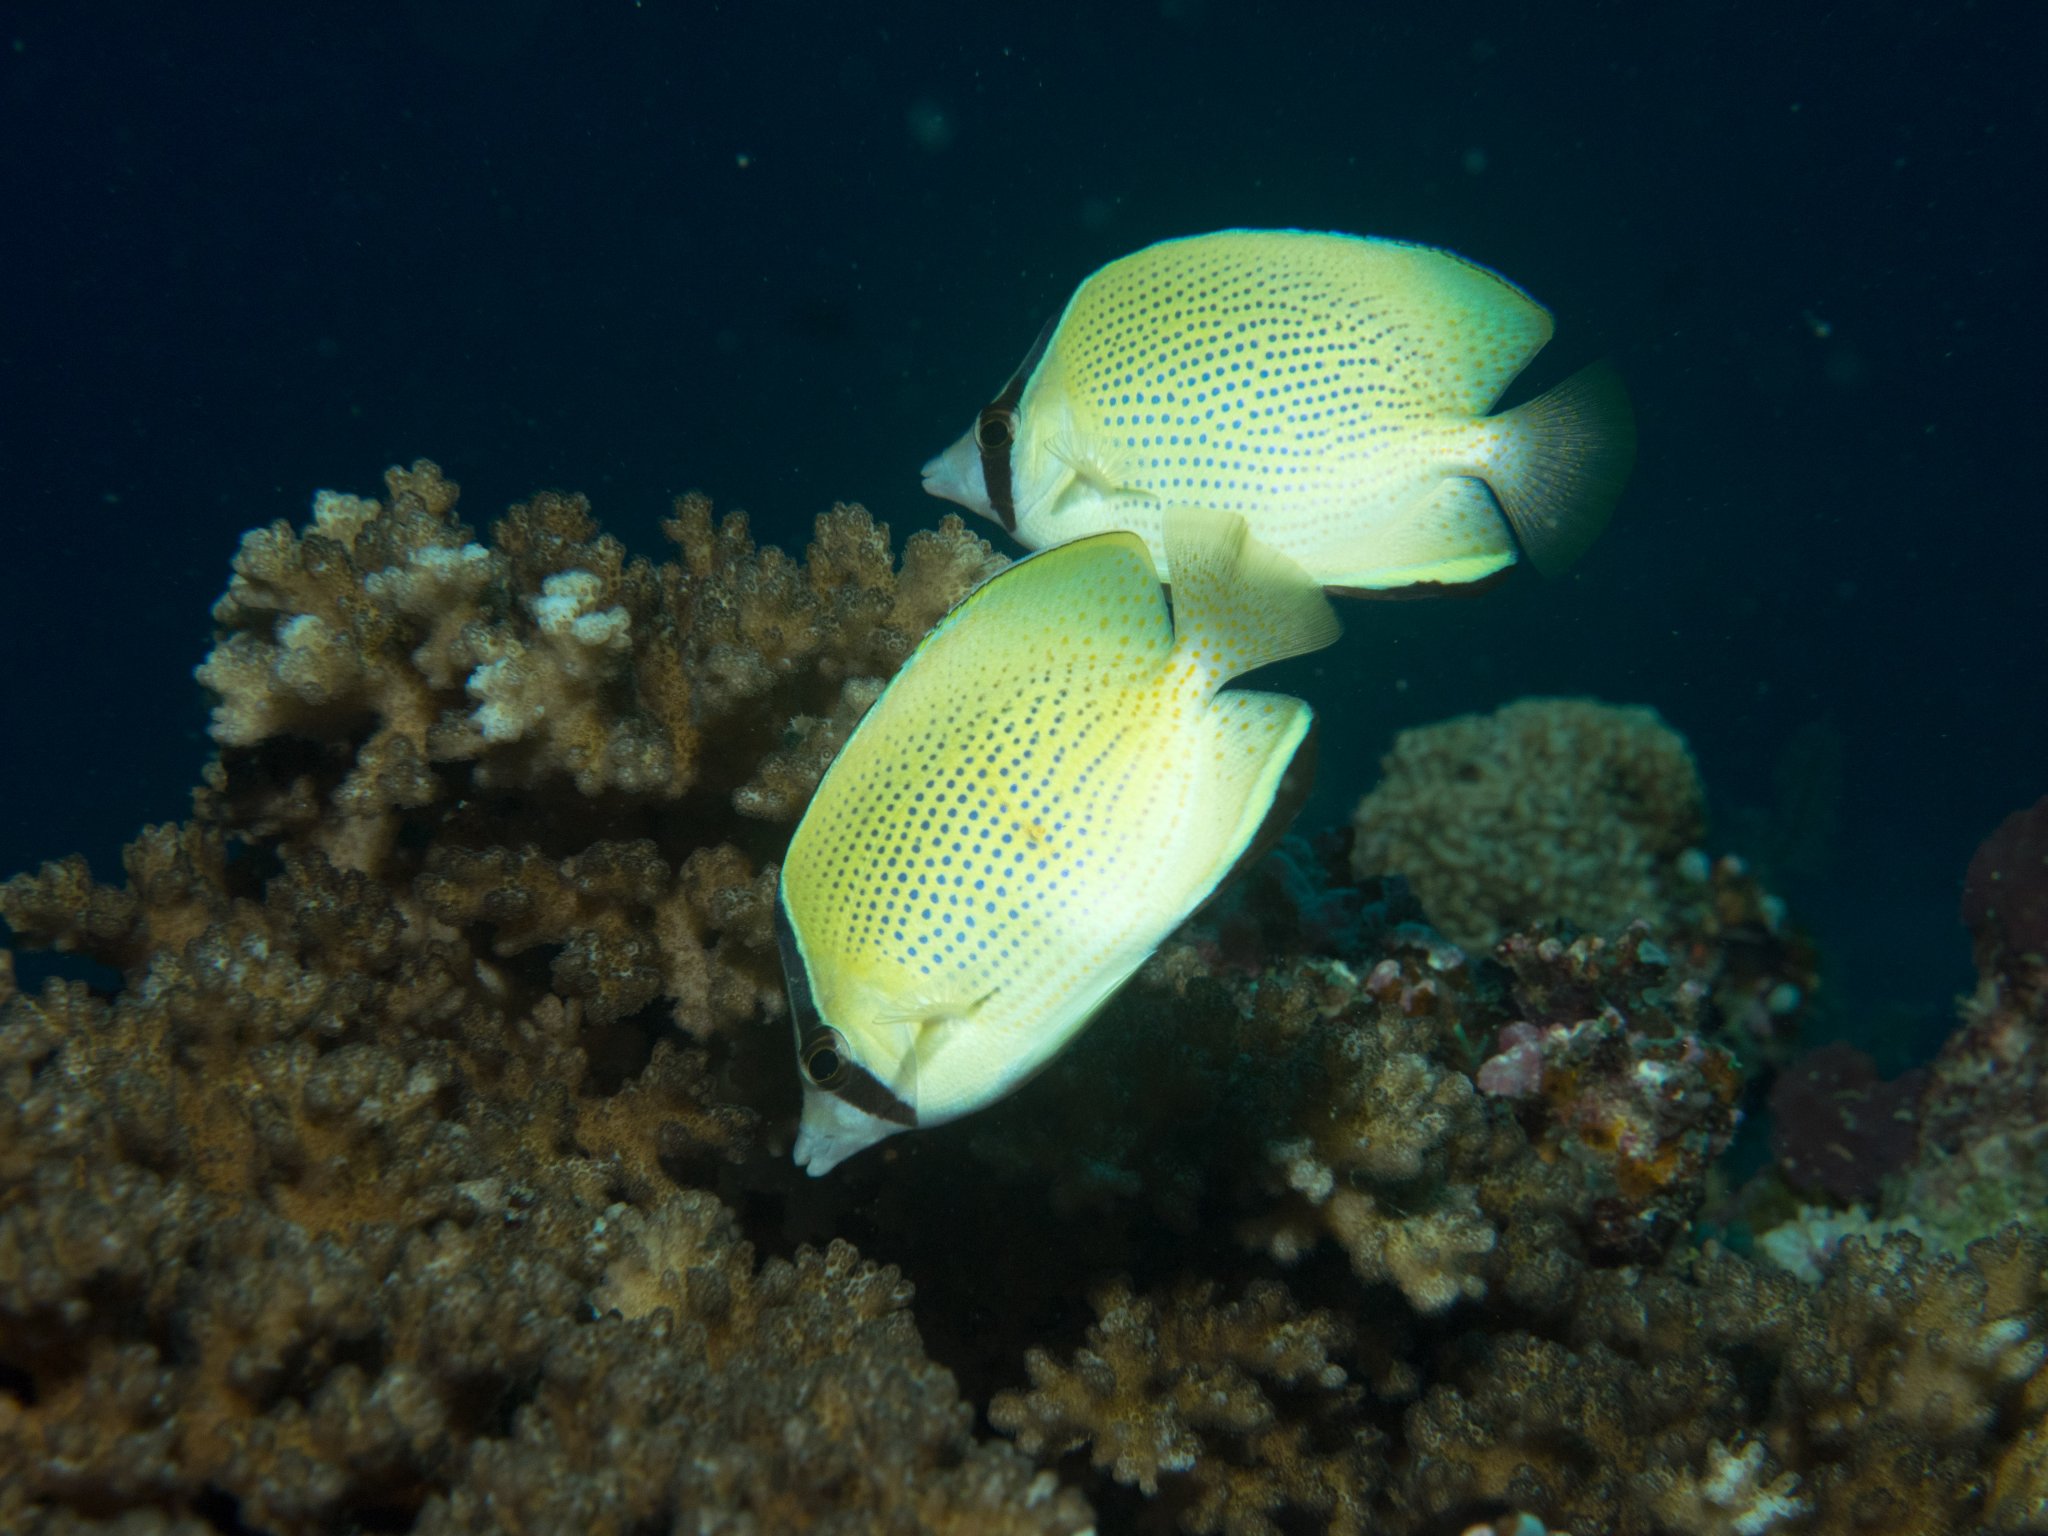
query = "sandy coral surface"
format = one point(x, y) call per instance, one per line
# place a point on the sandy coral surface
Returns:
point(401, 1143)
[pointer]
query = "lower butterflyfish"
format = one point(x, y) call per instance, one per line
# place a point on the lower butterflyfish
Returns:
point(1054, 780)
point(1333, 390)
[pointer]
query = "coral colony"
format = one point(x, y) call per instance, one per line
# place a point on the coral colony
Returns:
point(416, 1156)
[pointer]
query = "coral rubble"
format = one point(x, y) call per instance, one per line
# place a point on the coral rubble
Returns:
point(423, 1166)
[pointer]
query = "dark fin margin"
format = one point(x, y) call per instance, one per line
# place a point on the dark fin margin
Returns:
point(1416, 591)
point(1297, 780)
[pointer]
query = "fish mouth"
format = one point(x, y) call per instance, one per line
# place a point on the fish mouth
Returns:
point(955, 476)
point(832, 1130)
point(816, 1155)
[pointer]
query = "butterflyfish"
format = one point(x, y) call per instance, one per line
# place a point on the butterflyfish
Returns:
point(1053, 781)
point(1333, 390)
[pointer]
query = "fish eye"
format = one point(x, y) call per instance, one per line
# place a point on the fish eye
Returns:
point(993, 430)
point(824, 1061)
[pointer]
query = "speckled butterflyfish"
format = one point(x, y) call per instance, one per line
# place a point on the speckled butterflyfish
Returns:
point(1054, 780)
point(1332, 390)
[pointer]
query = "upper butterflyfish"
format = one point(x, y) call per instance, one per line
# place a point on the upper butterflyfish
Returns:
point(1053, 781)
point(1330, 389)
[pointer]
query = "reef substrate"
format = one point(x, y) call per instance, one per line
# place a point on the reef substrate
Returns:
point(418, 1159)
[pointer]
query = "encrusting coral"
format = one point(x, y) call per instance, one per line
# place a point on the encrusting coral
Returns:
point(425, 1167)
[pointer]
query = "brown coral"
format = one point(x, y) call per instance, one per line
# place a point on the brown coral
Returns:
point(1373, 1165)
point(389, 636)
point(413, 1174)
point(1180, 1397)
point(1547, 810)
point(300, 1227)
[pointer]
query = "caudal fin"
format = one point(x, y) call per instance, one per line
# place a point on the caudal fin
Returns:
point(1569, 450)
point(1238, 603)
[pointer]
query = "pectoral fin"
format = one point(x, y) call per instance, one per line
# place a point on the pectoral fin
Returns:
point(921, 1027)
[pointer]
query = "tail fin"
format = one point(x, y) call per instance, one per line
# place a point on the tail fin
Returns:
point(1237, 603)
point(1570, 450)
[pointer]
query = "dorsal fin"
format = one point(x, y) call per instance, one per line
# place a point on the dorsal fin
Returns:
point(1238, 603)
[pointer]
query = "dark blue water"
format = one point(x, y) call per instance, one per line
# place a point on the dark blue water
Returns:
point(783, 252)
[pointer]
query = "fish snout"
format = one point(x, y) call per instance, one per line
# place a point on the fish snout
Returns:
point(832, 1130)
point(955, 476)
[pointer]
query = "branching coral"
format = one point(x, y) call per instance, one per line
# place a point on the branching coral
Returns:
point(1548, 810)
point(1806, 1243)
point(390, 638)
point(1886, 1393)
point(297, 1228)
point(1374, 1166)
point(1180, 1396)
point(1917, 1369)
point(317, 1241)
point(1739, 1494)
point(169, 1349)
point(411, 1175)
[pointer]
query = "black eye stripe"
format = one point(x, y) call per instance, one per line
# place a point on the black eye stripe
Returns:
point(851, 1082)
point(994, 433)
point(796, 979)
point(864, 1091)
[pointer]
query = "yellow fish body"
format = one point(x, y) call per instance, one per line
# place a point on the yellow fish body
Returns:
point(1054, 780)
point(1332, 390)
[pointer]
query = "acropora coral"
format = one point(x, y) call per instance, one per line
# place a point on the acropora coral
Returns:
point(412, 1155)
point(367, 1198)
point(1187, 1391)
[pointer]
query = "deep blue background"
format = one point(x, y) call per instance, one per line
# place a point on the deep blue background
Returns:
point(783, 252)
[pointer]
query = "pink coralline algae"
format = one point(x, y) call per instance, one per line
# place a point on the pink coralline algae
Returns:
point(1615, 1084)
point(1515, 1071)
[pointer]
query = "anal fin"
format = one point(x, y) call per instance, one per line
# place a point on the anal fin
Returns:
point(1262, 769)
point(1453, 536)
